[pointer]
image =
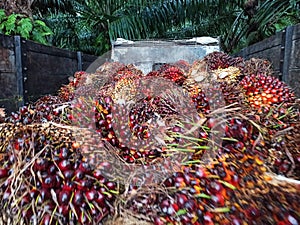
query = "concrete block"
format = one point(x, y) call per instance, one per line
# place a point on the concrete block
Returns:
point(145, 54)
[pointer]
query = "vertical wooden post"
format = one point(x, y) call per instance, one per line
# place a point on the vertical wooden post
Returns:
point(287, 53)
point(19, 70)
point(79, 61)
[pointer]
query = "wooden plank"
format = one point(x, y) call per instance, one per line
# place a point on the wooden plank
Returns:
point(295, 55)
point(91, 63)
point(296, 34)
point(50, 50)
point(8, 88)
point(294, 81)
point(271, 54)
point(268, 43)
point(47, 73)
point(7, 60)
point(6, 41)
point(87, 60)
point(8, 94)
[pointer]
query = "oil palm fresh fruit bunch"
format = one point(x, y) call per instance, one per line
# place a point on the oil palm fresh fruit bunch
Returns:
point(45, 109)
point(232, 188)
point(45, 180)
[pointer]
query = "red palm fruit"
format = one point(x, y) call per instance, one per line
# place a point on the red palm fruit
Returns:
point(79, 174)
point(27, 213)
point(218, 200)
point(214, 187)
point(25, 200)
point(100, 199)
point(91, 195)
point(164, 205)
point(64, 153)
point(68, 174)
point(208, 218)
point(110, 185)
point(44, 194)
point(33, 193)
point(64, 165)
point(64, 210)
point(78, 197)
point(106, 166)
point(252, 213)
point(52, 169)
point(41, 164)
point(49, 182)
point(211, 122)
point(84, 185)
point(99, 176)
point(46, 220)
point(85, 167)
point(69, 186)
point(64, 197)
point(3, 173)
point(181, 199)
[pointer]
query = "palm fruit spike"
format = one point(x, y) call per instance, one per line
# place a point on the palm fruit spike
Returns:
point(257, 66)
point(285, 152)
point(43, 169)
point(2, 114)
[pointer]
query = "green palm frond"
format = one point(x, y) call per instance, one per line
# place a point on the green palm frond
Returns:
point(162, 17)
point(88, 20)
point(245, 30)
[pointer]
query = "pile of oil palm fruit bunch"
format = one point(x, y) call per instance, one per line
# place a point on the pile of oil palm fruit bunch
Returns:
point(212, 142)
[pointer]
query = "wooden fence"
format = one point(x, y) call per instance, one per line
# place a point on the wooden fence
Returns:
point(283, 50)
point(29, 70)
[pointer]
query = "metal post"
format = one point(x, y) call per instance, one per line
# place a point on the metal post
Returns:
point(79, 61)
point(287, 53)
point(19, 70)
